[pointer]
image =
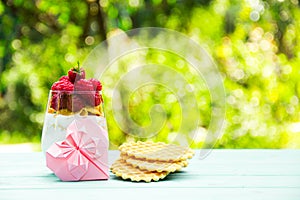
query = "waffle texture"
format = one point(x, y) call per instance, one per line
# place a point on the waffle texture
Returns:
point(150, 161)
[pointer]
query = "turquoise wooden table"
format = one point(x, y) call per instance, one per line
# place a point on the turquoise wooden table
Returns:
point(224, 174)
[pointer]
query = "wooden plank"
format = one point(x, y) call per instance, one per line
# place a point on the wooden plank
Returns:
point(154, 193)
point(172, 181)
point(224, 173)
point(197, 167)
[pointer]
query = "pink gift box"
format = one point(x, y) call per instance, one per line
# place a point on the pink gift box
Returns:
point(83, 155)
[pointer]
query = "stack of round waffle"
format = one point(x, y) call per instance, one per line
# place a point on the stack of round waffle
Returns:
point(147, 161)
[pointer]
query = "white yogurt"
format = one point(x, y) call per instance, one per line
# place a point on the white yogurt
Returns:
point(55, 127)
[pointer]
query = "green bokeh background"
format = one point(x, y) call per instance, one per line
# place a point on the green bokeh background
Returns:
point(255, 44)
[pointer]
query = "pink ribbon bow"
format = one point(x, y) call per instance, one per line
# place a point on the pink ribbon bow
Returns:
point(82, 155)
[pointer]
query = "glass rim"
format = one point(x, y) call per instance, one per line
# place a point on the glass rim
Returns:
point(74, 91)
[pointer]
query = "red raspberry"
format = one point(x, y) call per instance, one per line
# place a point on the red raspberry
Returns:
point(85, 90)
point(83, 85)
point(62, 85)
point(76, 73)
point(76, 104)
point(97, 84)
point(61, 94)
point(64, 78)
point(60, 100)
point(64, 100)
point(98, 99)
point(54, 103)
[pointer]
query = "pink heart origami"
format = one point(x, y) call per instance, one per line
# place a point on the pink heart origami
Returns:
point(83, 155)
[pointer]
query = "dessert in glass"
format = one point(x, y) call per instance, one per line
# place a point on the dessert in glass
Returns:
point(74, 137)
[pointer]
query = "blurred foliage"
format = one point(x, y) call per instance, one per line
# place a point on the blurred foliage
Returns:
point(255, 44)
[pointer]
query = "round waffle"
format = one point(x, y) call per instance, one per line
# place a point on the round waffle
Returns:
point(153, 165)
point(156, 151)
point(126, 171)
